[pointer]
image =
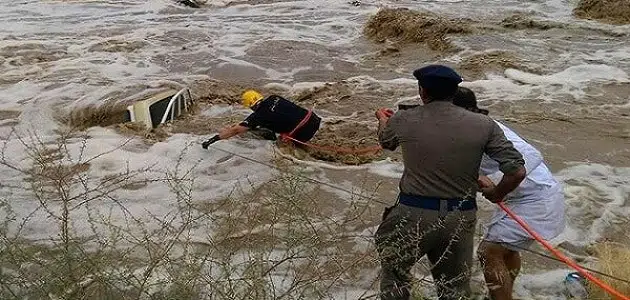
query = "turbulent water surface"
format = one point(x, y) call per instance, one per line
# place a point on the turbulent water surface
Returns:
point(561, 82)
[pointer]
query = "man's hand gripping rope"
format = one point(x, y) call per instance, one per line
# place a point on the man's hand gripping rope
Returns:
point(384, 113)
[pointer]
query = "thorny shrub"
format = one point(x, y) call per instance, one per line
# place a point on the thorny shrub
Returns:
point(288, 239)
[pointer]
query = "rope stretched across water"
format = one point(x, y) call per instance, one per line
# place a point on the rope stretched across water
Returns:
point(559, 260)
point(302, 176)
point(561, 257)
point(336, 149)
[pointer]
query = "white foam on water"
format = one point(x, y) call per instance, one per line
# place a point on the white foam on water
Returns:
point(355, 294)
point(285, 74)
point(597, 198)
point(277, 86)
point(75, 75)
point(117, 71)
point(328, 116)
point(320, 164)
point(12, 95)
point(344, 189)
point(365, 83)
point(216, 175)
point(609, 56)
point(574, 77)
point(557, 9)
point(73, 28)
point(217, 110)
point(408, 99)
point(546, 285)
point(387, 168)
point(219, 2)
point(364, 240)
point(562, 11)
point(299, 86)
point(518, 85)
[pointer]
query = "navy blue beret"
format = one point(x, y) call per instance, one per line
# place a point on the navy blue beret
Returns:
point(437, 76)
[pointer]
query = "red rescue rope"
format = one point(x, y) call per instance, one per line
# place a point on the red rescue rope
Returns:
point(345, 150)
point(561, 256)
point(289, 137)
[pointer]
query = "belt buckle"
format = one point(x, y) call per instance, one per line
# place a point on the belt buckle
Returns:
point(456, 207)
point(445, 201)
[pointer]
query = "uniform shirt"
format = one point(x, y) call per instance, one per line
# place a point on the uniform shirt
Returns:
point(276, 114)
point(539, 177)
point(442, 147)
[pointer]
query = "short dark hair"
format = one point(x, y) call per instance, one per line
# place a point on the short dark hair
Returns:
point(465, 98)
point(444, 93)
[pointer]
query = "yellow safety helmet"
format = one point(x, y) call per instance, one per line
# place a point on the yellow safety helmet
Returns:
point(250, 98)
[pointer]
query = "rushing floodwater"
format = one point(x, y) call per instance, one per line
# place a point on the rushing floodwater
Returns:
point(64, 54)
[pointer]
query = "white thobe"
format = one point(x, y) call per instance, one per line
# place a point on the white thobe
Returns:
point(538, 200)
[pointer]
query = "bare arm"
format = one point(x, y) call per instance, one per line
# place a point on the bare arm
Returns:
point(225, 133)
point(231, 131)
point(508, 183)
point(386, 134)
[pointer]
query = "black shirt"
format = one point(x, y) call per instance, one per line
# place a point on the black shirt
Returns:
point(276, 114)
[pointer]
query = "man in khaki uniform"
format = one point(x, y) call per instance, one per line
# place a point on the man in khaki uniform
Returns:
point(442, 147)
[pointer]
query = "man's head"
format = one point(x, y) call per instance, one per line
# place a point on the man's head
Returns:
point(465, 97)
point(437, 82)
point(250, 98)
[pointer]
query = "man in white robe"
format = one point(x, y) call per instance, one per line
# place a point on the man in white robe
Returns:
point(538, 200)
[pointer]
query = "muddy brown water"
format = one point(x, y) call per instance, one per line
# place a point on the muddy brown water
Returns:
point(593, 129)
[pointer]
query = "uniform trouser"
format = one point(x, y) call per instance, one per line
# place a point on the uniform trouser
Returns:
point(408, 233)
point(309, 129)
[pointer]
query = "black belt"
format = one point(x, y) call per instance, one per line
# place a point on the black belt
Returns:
point(433, 203)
